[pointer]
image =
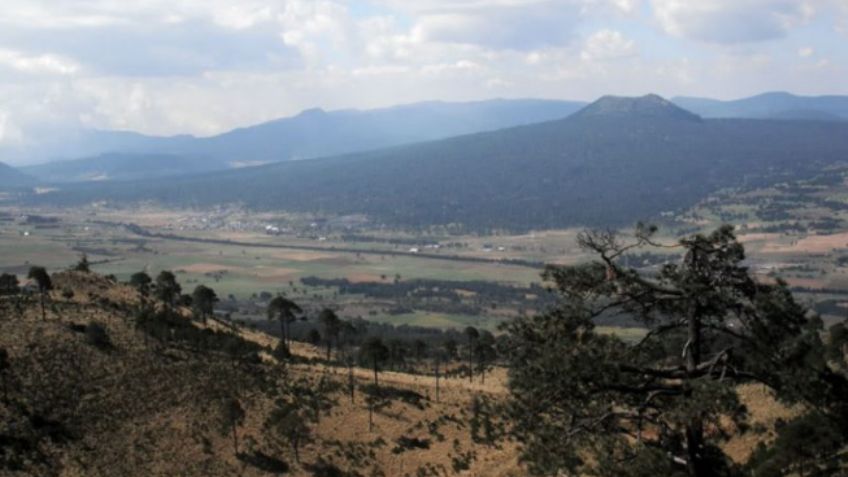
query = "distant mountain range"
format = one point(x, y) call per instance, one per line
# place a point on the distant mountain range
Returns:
point(114, 155)
point(614, 162)
point(310, 134)
point(11, 177)
point(770, 106)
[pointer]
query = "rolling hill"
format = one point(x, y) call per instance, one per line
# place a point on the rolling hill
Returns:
point(616, 161)
point(312, 133)
point(776, 105)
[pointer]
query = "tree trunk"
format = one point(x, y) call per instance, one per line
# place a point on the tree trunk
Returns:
point(371, 414)
point(350, 382)
point(695, 426)
point(284, 331)
point(235, 440)
point(470, 360)
point(437, 379)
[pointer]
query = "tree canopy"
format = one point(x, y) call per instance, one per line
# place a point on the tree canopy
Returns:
point(167, 287)
point(286, 311)
point(590, 403)
point(141, 281)
point(203, 301)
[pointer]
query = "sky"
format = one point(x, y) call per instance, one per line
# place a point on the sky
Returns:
point(206, 66)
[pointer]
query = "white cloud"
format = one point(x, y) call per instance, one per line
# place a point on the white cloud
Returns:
point(627, 6)
point(842, 18)
point(732, 21)
point(316, 28)
point(506, 24)
point(512, 26)
point(534, 57)
point(38, 64)
point(9, 132)
point(461, 66)
point(206, 66)
point(607, 45)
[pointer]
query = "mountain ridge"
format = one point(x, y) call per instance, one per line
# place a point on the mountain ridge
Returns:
point(648, 106)
point(13, 177)
point(316, 132)
point(586, 170)
point(769, 105)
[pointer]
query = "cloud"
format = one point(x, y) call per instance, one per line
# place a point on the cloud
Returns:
point(461, 66)
point(9, 133)
point(38, 64)
point(157, 49)
point(505, 24)
point(731, 21)
point(317, 29)
point(206, 66)
point(607, 45)
point(842, 18)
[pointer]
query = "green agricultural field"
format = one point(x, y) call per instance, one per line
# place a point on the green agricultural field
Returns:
point(245, 271)
point(806, 258)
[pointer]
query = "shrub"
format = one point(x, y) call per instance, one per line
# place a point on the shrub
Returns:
point(97, 336)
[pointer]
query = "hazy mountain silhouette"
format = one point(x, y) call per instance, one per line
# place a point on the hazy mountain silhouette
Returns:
point(778, 105)
point(312, 133)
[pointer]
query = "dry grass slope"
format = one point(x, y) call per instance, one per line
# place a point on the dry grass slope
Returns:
point(138, 407)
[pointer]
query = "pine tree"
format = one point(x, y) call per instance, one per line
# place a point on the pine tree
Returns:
point(203, 301)
point(332, 326)
point(232, 416)
point(472, 335)
point(167, 288)
point(285, 311)
point(586, 402)
point(141, 282)
point(44, 284)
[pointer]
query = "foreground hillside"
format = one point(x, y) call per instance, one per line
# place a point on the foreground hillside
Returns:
point(617, 161)
point(93, 388)
point(731, 377)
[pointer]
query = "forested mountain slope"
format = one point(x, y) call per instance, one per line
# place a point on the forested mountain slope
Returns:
point(617, 161)
point(122, 167)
